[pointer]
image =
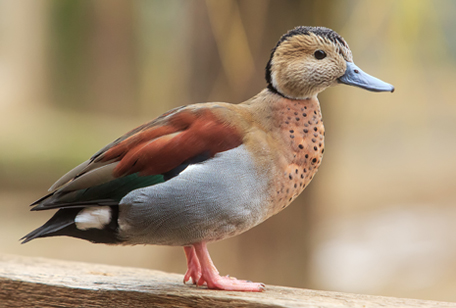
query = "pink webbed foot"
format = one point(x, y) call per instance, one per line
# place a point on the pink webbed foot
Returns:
point(230, 284)
point(193, 265)
point(202, 270)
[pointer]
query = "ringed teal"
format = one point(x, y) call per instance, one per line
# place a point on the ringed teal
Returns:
point(205, 172)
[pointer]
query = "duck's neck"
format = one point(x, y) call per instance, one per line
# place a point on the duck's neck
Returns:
point(274, 110)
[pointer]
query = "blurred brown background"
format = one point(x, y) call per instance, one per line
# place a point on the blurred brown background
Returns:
point(379, 218)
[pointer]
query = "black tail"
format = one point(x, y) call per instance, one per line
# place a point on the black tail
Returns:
point(63, 223)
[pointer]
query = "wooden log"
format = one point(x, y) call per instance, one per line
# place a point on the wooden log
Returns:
point(37, 282)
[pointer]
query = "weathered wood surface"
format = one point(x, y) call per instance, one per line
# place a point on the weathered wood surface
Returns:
point(36, 282)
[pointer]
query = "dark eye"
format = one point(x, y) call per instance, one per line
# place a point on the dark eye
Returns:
point(320, 54)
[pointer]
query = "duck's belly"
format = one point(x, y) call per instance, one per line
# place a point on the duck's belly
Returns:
point(219, 198)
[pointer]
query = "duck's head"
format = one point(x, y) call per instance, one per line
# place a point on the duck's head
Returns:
point(307, 60)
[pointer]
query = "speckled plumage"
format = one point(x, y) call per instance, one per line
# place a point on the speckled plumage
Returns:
point(208, 171)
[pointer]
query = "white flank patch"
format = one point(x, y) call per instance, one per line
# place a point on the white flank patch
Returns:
point(93, 217)
point(191, 168)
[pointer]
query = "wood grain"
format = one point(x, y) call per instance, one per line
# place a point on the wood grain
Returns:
point(37, 282)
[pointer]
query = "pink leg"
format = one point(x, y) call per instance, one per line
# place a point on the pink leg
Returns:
point(193, 265)
point(211, 277)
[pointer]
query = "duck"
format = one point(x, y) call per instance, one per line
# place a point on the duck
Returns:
point(205, 172)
